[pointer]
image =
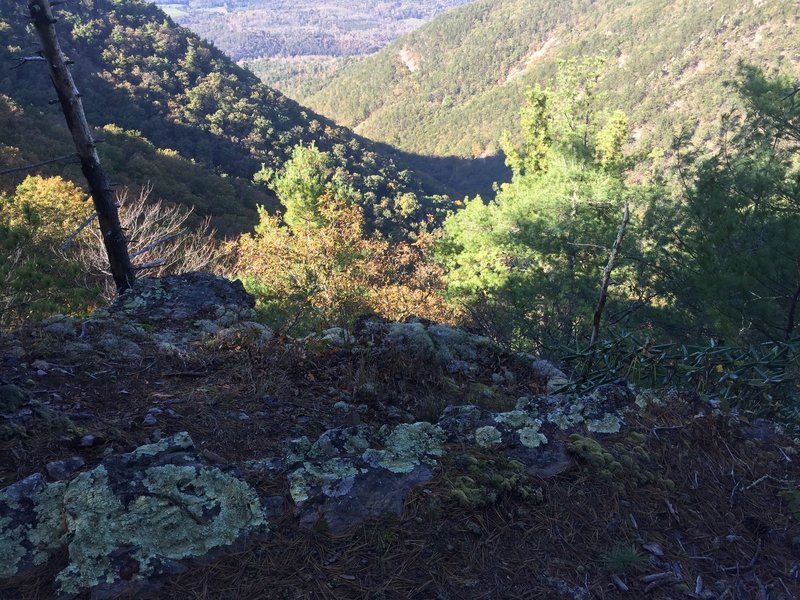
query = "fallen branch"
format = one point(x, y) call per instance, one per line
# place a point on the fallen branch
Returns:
point(37, 165)
point(166, 238)
point(71, 237)
point(23, 60)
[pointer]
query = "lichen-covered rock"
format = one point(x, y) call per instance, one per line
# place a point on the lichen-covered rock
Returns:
point(556, 379)
point(188, 297)
point(454, 350)
point(127, 520)
point(60, 326)
point(353, 473)
point(488, 436)
point(407, 446)
point(120, 348)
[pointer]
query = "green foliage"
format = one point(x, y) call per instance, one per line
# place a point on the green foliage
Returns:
point(178, 107)
point(623, 559)
point(35, 278)
point(314, 273)
point(535, 124)
point(529, 263)
point(301, 184)
point(742, 227)
point(666, 67)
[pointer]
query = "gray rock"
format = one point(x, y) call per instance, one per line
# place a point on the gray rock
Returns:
point(128, 521)
point(60, 326)
point(120, 348)
point(61, 469)
point(188, 297)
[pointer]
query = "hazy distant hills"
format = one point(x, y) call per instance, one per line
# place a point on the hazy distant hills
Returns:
point(453, 85)
point(177, 113)
point(248, 29)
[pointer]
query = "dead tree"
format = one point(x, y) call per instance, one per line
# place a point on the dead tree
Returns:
point(114, 238)
point(601, 303)
point(606, 280)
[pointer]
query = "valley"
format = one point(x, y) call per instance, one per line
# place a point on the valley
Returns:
point(286, 42)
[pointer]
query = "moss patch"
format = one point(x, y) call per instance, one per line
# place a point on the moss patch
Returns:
point(625, 463)
point(480, 478)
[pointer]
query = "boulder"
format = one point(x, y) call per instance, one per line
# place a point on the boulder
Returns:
point(128, 521)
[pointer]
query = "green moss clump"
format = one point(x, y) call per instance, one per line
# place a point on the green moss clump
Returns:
point(12, 431)
point(478, 479)
point(623, 464)
point(792, 499)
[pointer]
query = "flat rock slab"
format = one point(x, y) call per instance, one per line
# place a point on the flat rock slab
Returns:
point(128, 521)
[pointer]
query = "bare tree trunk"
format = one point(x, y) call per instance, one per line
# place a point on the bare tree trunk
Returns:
point(792, 311)
point(612, 258)
point(604, 283)
point(113, 237)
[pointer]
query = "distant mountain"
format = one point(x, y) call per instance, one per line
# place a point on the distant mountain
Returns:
point(176, 112)
point(453, 85)
point(248, 29)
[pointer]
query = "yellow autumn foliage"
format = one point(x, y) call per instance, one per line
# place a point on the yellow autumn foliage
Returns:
point(328, 274)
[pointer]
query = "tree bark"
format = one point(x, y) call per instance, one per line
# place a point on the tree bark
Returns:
point(612, 258)
point(113, 237)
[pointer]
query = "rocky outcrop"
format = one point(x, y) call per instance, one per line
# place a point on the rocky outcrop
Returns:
point(129, 520)
point(510, 421)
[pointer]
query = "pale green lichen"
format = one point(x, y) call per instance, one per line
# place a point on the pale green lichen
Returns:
point(189, 511)
point(456, 344)
point(531, 437)
point(299, 489)
point(11, 548)
point(335, 476)
point(528, 405)
point(295, 450)
point(567, 417)
point(407, 447)
point(412, 336)
point(487, 436)
point(645, 398)
point(349, 441)
point(610, 423)
point(49, 532)
point(514, 419)
point(181, 440)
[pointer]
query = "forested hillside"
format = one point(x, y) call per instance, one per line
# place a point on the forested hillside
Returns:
point(178, 113)
point(248, 29)
point(452, 86)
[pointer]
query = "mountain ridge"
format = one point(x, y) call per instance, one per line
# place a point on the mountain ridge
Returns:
point(666, 65)
point(139, 72)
